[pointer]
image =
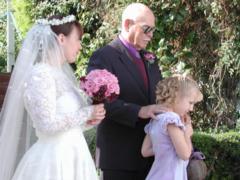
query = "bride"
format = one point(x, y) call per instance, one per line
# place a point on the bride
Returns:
point(43, 95)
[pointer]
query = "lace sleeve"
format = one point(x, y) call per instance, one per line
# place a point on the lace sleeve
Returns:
point(40, 101)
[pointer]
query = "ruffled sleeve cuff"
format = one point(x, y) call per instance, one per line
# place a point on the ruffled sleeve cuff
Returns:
point(170, 118)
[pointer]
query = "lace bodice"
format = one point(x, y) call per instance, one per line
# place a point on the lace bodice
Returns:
point(52, 102)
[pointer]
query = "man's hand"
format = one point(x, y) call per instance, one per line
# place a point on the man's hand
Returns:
point(150, 111)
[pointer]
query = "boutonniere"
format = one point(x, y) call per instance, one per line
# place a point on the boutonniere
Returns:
point(149, 57)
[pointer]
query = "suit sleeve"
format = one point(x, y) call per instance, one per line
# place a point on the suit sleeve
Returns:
point(119, 110)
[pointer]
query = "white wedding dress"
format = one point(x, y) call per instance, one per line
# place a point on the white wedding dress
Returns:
point(57, 111)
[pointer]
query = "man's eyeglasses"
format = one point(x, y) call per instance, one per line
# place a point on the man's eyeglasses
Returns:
point(147, 29)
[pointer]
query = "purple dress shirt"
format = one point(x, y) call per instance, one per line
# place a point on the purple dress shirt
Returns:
point(138, 60)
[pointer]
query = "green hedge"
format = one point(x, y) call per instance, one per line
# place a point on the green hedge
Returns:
point(90, 136)
point(222, 153)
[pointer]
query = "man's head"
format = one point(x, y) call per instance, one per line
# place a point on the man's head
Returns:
point(138, 24)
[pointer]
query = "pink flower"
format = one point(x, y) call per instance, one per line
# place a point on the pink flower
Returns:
point(100, 85)
point(149, 57)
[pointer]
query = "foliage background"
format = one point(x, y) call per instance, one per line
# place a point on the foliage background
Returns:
point(3, 49)
point(222, 154)
point(200, 37)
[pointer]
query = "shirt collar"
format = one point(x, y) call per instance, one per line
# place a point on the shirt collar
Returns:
point(130, 47)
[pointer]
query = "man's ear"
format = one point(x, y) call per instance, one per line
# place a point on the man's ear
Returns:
point(127, 24)
point(61, 38)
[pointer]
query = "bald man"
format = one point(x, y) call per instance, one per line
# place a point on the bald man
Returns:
point(121, 133)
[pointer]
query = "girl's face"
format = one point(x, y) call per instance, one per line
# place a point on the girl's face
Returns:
point(71, 45)
point(185, 103)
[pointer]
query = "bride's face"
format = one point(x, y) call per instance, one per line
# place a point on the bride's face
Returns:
point(71, 45)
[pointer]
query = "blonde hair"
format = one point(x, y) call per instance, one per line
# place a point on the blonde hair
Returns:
point(179, 85)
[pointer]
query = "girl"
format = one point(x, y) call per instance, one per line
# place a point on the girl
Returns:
point(169, 134)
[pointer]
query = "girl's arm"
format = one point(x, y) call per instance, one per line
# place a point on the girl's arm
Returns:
point(181, 140)
point(147, 149)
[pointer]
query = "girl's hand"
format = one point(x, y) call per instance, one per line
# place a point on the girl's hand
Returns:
point(188, 124)
point(189, 129)
point(186, 119)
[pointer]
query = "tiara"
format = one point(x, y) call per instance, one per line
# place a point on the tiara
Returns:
point(56, 22)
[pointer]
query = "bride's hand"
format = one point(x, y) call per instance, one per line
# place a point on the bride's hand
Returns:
point(94, 122)
point(98, 114)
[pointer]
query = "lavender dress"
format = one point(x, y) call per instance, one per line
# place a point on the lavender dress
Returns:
point(167, 165)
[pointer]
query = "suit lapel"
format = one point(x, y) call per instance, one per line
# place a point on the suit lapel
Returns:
point(151, 73)
point(128, 62)
point(151, 88)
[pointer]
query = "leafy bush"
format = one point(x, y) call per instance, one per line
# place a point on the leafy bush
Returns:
point(222, 154)
point(3, 43)
point(90, 136)
point(221, 151)
point(200, 37)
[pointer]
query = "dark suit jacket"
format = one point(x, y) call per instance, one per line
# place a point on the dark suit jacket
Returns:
point(121, 133)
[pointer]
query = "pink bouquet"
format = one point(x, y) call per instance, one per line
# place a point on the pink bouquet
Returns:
point(100, 85)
